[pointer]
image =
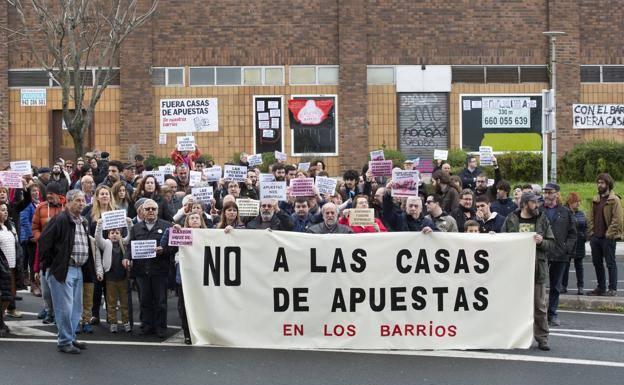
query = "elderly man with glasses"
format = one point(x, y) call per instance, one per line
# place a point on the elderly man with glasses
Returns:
point(271, 217)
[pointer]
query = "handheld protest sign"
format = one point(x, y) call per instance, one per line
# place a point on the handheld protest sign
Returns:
point(115, 219)
point(302, 187)
point(181, 237)
point(143, 249)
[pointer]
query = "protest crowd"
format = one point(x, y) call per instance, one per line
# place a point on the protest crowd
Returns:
point(84, 233)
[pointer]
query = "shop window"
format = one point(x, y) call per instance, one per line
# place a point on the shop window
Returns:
point(202, 76)
point(229, 76)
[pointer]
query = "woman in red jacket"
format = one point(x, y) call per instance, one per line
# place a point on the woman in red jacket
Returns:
point(361, 202)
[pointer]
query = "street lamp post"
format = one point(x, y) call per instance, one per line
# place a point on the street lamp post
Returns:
point(552, 35)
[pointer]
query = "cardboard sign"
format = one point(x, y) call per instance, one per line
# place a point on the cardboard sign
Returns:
point(485, 155)
point(302, 187)
point(254, 159)
point(181, 237)
point(23, 167)
point(325, 185)
point(143, 249)
point(158, 175)
point(275, 190)
point(377, 155)
point(405, 183)
point(440, 154)
point(380, 167)
point(362, 217)
point(11, 179)
point(266, 178)
point(248, 207)
point(115, 219)
point(213, 174)
point(186, 143)
point(305, 166)
point(235, 173)
point(281, 156)
point(202, 194)
point(194, 178)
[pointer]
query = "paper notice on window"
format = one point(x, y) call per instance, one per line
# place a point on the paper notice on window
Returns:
point(263, 116)
point(273, 104)
point(143, 249)
point(115, 219)
point(248, 207)
point(269, 134)
point(264, 124)
point(162, 139)
point(181, 237)
point(213, 174)
point(275, 113)
point(467, 106)
point(259, 105)
point(361, 217)
point(476, 104)
point(275, 123)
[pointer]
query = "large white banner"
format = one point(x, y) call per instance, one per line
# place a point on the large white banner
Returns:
point(598, 115)
point(264, 289)
point(189, 115)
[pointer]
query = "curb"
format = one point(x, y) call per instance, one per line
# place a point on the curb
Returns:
point(584, 302)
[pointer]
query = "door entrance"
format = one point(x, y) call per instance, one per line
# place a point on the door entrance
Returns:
point(62, 142)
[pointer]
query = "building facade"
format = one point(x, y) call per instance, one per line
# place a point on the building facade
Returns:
point(401, 74)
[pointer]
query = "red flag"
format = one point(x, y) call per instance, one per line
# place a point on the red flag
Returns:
point(310, 112)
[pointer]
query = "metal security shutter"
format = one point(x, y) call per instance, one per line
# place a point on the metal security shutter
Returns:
point(534, 74)
point(468, 74)
point(501, 75)
point(613, 74)
point(28, 79)
point(158, 76)
point(590, 74)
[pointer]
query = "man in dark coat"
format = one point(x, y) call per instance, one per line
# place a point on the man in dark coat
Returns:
point(271, 217)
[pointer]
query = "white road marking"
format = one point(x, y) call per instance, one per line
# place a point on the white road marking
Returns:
point(442, 353)
point(587, 331)
point(25, 328)
point(587, 337)
point(590, 313)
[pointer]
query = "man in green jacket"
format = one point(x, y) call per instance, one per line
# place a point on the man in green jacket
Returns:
point(528, 219)
point(604, 224)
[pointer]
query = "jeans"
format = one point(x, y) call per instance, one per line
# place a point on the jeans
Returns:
point(153, 301)
point(604, 249)
point(555, 272)
point(578, 267)
point(45, 291)
point(67, 298)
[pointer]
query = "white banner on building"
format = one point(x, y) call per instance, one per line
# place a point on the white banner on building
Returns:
point(366, 291)
point(189, 115)
point(598, 115)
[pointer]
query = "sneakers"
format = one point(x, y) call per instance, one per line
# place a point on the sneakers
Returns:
point(611, 293)
point(580, 291)
point(554, 321)
point(543, 345)
point(113, 328)
point(70, 349)
point(14, 313)
point(94, 321)
point(597, 291)
point(87, 328)
point(42, 314)
point(80, 345)
point(127, 327)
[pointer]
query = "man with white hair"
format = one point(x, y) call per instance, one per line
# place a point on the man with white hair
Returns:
point(330, 223)
point(271, 217)
point(412, 219)
point(87, 185)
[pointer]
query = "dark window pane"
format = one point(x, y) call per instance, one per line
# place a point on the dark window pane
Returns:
point(468, 74)
point(158, 76)
point(613, 74)
point(501, 74)
point(534, 74)
point(28, 79)
point(590, 74)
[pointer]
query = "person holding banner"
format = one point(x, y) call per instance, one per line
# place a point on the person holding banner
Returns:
point(330, 223)
point(412, 219)
point(185, 157)
point(529, 219)
point(442, 220)
point(271, 217)
point(361, 202)
point(192, 221)
point(230, 218)
point(151, 273)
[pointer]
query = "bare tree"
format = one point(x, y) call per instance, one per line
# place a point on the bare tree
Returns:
point(68, 36)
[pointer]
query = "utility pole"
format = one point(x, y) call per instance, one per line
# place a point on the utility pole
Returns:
point(552, 35)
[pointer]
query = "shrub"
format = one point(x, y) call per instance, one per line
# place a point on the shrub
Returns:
point(395, 156)
point(155, 161)
point(520, 166)
point(457, 158)
point(587, 160)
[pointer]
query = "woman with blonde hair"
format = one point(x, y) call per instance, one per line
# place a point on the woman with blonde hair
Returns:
point(121, 197)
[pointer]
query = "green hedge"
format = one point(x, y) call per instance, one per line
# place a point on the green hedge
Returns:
point(516, 166)
point(585, 161)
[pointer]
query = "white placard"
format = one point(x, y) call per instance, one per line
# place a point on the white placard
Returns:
point(194, 178)
point(115, 219)
point(377, 155)
point(505, 112)
point(325, 185)
point(440, 154)
point(485, 155)
point(305, 166)
point(23, 167)
point(213, 174)
point(281, 156)
point(405, 183)
point(266, 178)
point(33, 97)
point(203, 194)
point(275, 190)
point(189, 115)
point(254, 159)
point(235, 173)
point(11, 179)
point(158, 175)
point(168, 169)
point(162, 138)
point(180, 237)
point(361, 217)
point(302, 187)
point(186, 143)
point(598, 116)
point(248, 207)
point(481, 299)
point(143, 249)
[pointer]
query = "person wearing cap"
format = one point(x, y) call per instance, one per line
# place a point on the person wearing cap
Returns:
point(529, 219)
point(605, 222)
point(408, 164)
point(43, 178)
point(563, 227)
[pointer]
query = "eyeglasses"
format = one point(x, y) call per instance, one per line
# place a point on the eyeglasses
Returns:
point(150, 208)
point(266, 206)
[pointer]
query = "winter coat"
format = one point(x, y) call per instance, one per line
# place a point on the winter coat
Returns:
point(149, 266)
point(279, 221)
point(613, 215)
point(581, 235)
point(542, 227)
point(178, 159)
point(26, 220)
point(563, 227)
point(400, 221)
point(43, 214)
point(364, 229)
point(503, 206)
point(468, 178)
point(104, 249)
point(494, 223)
point(460, 217)
point(17, 205)
point(320, 228)
point(5, 271)
point(444, 222)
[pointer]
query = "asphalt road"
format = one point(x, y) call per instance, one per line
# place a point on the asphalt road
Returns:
point(586, 348)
